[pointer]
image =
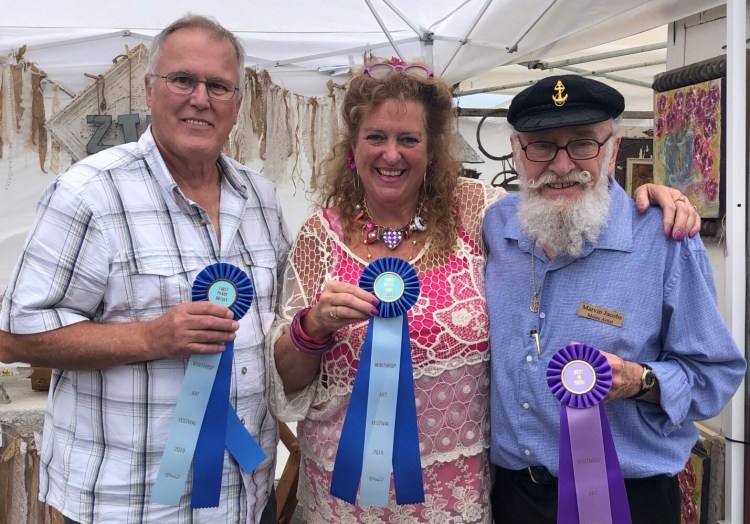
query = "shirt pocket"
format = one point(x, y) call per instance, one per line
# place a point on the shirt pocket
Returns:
point(251, 378)
point(156, 280)
point(260, 264)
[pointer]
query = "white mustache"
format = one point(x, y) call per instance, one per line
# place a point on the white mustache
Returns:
point(582, 177)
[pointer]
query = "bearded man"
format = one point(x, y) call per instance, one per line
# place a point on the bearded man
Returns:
point(570, 259)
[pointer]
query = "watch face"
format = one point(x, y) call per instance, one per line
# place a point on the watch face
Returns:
point(649, 378)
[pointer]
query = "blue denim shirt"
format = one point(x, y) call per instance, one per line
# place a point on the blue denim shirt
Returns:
point(663, 290)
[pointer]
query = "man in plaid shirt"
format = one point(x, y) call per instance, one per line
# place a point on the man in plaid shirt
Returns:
point(104, 283)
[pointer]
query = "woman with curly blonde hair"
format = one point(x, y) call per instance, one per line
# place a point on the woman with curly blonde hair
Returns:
point(391, 189)
point(340, 186)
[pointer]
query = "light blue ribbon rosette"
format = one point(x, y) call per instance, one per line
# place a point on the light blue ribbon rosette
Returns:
point(380, 436)
point(590, 486)
point(204, 421)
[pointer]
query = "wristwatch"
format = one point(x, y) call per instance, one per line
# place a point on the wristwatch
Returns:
point(648, 380)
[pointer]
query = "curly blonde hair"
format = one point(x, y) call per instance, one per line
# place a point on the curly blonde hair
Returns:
point(340, 187)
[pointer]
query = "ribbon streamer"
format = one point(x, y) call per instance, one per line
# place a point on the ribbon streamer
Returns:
point(204, 422)
point(380, 435)
point(590, 485)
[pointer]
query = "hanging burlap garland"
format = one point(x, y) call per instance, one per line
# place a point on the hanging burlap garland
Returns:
point(15, 496)
point(290, 134)
point(38, 130)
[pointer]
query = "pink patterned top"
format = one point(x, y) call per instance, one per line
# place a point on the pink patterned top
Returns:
point(449, 337)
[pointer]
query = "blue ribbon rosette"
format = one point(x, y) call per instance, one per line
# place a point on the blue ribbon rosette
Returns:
point(380, 435)
point(204, 421)
point(590, 486)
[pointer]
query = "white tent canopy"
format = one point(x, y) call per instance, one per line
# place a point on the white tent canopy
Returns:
point(302, 42)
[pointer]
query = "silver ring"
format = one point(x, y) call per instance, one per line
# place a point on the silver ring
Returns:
point(334, 314)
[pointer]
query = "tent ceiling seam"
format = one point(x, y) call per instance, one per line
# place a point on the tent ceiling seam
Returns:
point(338, 52)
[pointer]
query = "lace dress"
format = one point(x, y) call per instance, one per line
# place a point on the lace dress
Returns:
point(449, 339)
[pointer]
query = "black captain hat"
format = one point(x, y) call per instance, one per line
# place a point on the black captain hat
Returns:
point(564, 100)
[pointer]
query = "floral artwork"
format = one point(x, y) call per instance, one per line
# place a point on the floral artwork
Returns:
point(687, 143)
point(693, 482)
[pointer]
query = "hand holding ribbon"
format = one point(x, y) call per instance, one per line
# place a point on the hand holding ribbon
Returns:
point(590, 486)
point(204, 422)
point(380, 435)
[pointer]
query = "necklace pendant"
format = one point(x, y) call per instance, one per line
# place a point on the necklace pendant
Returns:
point(370, 234)
point(391, 238)
point(534, 306)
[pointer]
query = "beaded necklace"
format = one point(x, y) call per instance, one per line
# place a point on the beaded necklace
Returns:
point(372, 232)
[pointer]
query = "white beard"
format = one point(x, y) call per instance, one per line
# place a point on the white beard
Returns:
point(559, 226)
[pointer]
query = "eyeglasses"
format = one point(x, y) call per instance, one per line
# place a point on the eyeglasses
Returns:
point(381, 70)
point(581, 149)
point(185, 83)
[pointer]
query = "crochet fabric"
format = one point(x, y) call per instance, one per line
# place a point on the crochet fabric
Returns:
point(449, 340)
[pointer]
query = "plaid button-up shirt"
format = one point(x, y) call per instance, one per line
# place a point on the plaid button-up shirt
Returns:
point(115, 240)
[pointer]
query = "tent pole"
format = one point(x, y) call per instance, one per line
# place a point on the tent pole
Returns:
point(581, 72)
point(428, 54)
point(513, 47)
point(736, 216)
point(584, 72)
point(385, 30)
point(599, 56)
point(403, 17)
point(125, 33)
point(339, 52)
point(473, 25)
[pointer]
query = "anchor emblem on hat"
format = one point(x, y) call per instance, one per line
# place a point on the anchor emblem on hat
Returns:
point(558, 98)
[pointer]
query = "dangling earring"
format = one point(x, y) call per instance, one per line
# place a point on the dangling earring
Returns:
point(429, 172)
point(350, 161)
point(356, 180)
point(431, 167)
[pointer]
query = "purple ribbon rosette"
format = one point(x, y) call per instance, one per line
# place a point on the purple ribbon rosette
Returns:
point(591, 487)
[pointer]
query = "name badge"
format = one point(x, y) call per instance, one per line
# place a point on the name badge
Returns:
point(600, 314)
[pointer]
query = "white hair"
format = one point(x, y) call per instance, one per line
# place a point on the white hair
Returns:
point(205, 23)
point(559, 227)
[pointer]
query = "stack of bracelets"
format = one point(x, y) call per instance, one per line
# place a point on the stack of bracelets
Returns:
point(302, 342)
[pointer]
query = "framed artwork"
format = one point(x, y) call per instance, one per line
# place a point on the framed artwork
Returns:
point(694, 487)
point(638, 171)
point(631, 148)
point(689, 131)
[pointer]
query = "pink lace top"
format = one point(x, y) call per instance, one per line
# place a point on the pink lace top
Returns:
point(449, 334)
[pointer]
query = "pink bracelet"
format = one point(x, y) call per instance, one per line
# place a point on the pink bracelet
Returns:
point(302, 342)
